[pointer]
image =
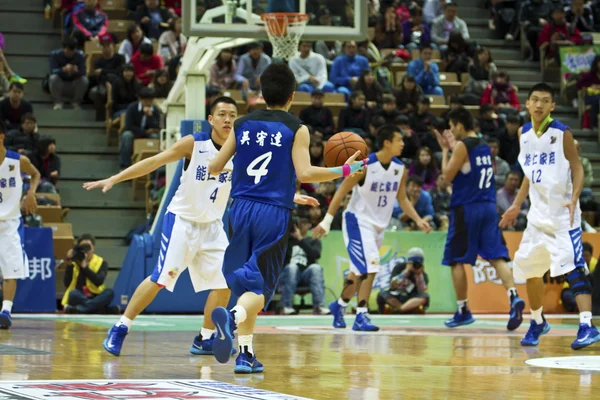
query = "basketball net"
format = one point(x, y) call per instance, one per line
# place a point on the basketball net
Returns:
point(284, 31)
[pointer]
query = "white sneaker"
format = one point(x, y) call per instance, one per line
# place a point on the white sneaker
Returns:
point(322, 311)
point(509, 37)
point(288, 311)
point(58, 106)
point(492, 24)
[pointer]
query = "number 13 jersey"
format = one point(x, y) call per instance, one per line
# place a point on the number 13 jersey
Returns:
point(475, 182)
point(549, 172)
point(373, 201)
point(202, 197)
point(263, 169)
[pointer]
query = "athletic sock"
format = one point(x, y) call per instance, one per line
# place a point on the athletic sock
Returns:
point(462, 305)
point(206, 333)
point(362, 310)
point(536, 315)
point(239, 314)
point(512, 293)
point(245, 343)
point(585, 317)
point(125, 321)
point(342, 302)
point(7, 305)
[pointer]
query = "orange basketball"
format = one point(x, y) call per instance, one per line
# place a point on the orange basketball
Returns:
point(341, 146)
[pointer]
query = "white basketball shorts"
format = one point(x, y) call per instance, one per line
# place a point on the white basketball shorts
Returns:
point(197, 246)
point(13, 260)
point(560, 252)
point(363, 241)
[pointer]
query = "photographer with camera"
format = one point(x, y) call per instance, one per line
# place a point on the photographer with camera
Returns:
point(84, 278)
point(408, 286)
point(302, 268)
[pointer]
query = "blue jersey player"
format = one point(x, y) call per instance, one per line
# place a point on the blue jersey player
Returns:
point(271, 152)
point(473, 228)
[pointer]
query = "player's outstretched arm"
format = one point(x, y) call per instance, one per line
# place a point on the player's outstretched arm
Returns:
point(509, 218)
point(183, 148)
point(407, 206)
point(577, 174)
point(307, 173)
point(28, 168)
point(323, 228)
point(216, 165)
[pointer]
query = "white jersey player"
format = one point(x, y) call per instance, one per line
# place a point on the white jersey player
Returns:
point(368, 214)
point(13, 260)
point(553, 238)
point(192, 233)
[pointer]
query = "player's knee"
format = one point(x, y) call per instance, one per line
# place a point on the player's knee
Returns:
point(579, 282)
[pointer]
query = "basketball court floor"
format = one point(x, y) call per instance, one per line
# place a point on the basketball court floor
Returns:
point(412, 357)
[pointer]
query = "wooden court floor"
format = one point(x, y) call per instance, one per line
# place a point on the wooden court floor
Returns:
point(411, 358)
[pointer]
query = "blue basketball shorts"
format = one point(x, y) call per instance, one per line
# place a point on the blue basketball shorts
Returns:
point(473, 231)
point(255, 257)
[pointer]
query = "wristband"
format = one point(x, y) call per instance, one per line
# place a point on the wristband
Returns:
point(326, 223)
point(349, 169)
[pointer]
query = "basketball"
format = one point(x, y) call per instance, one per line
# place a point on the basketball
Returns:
point(341, 146)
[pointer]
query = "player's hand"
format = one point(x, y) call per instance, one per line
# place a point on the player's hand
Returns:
point(441, 140)
point(423, 225)
point(318, 232)
point(305, 200)
point(356, 166)
point(450, 139)
point(104, 184)
point(509, 218)
point(571, 205)
point(31, 203)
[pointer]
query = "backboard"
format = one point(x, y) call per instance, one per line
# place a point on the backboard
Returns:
point(329, 19)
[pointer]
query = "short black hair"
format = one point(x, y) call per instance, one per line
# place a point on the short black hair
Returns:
point(86, 236)
point(493, 140)
point(386, 132)
point(587, 246)
point(146, 49)
point(356, 94)
point(416, 179)
point(463, 116)
point(255, 45)
point(69, 43)
point(277, 83)
point(485, 108)
point(450, 4)
point(378, 121)
point(128, 67)
point(16, 85)
point(541, 87)
point(388, 98)
point(146, 93)
point(456, 99)
point(513, 119)
point(513, 172)
point(426, 45)
point(222, 99)
point(28, 117)
point(402, 120)
point(425, 100)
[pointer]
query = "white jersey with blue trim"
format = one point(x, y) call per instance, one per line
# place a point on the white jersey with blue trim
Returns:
point(202, 197)
point(549, 172)
point(11, 186)
point(373, 201)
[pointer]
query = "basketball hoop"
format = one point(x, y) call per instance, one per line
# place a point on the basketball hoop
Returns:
point(284, 31)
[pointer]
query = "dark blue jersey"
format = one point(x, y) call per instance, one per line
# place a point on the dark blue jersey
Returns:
point(263, 169)
point(478, 184)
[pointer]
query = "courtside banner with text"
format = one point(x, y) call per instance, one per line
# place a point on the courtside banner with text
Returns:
point(577, 59)
point(486, 293)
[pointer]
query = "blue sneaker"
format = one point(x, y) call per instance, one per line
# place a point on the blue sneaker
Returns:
point(205, 347)
point(114, 340)
point(245, 364)
point(222, 345)
point(362, 322)
point(586, 335)
point(338, 314)
point(459, 319)
point(5, 320)
point(532, 337)
point(516, 313)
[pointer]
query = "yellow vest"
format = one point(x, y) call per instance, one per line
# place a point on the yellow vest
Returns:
point(94, 264)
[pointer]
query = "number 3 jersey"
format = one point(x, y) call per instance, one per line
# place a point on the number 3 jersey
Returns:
point(550, 184)
point(202, 197)
point(373, 201)
point(475, 182)
point(263, 169)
